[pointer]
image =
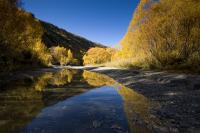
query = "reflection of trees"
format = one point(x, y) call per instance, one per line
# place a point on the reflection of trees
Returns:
point(42, 81)
point(137, 109)
point(19, 105)
point(59, 78)
point(23, 100)
point(62, 77)
point(136, 106)
point(95, 79)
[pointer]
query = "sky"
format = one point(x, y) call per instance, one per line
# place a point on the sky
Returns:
point(102, 21)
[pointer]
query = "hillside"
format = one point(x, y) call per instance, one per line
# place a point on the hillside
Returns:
point(26, 42)
point(54, 36)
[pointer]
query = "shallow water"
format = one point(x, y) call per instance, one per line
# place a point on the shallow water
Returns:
point(71, 101)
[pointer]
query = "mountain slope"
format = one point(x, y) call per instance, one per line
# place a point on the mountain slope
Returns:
point(54, 36)
point(26, 42)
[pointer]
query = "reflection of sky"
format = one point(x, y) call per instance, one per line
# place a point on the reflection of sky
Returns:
point(102, 107)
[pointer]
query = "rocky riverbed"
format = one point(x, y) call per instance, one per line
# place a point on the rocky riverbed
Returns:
point(177, 94)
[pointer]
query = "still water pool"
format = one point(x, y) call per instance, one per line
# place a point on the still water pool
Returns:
point(72, 101)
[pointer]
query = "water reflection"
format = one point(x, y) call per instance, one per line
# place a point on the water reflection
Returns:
point(138, 111)
point(99, 110)
point(137, 108)
point(74, 101)
point(19, 104)
point(22, 100)
point(57, 79)
point(96, 79)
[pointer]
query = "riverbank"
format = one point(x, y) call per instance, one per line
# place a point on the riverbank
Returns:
point(177, 94)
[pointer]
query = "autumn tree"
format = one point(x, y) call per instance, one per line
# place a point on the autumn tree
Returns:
point(20, 38)
point(98, 55)
point(70, 55)
point(62, 55)
point(165, 33)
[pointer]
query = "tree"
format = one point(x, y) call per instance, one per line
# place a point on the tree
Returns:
point(97, 56)
point(20, 38)
point(62, 56)
point(164, 33)
point(70, 55)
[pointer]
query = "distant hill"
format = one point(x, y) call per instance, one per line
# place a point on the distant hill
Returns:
point(54, 36)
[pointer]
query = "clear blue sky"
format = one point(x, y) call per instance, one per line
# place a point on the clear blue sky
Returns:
point(103, 21)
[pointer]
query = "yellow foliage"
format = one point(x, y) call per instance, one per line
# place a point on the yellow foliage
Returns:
point(70, 55)
point(164, 34)
point(98, 55)
point(20, 38)
point(42, 53)
point(61, 55)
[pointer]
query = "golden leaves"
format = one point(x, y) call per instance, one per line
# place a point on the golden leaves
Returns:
point(167, 33)
point(98, 55)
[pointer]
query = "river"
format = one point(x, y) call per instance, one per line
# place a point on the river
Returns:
point(74, 101)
